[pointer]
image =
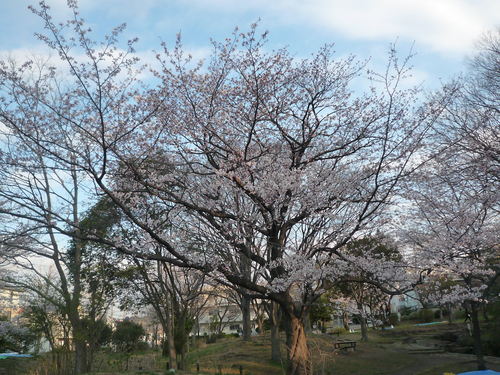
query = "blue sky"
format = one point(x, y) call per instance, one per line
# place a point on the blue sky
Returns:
point(443, 31)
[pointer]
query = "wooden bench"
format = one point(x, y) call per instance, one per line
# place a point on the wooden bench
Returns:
point(345, 345)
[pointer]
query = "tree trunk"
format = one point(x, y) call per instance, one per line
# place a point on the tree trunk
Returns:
point(299, 357)
point(450, 314)
point(245, 312)
point(345, 321)
point(476, 334)
point(181, 339)
point(172, 353)
point(275, 332)
point(364, 326)
point(260, 324)
point(307, 324)
point(80, 356)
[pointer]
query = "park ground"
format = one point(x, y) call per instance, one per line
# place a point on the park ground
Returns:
point(404, 350)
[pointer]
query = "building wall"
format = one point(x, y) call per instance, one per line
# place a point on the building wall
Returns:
point(10, 303)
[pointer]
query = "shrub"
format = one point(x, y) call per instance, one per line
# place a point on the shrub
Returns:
point(127, 336)
point(460, 314)
point(465, 340)
point(492, 345)
point(426, 315)
point(393, 319)
point(142, 346)
point(337, 331)
point(406, 311)
point(212, 339)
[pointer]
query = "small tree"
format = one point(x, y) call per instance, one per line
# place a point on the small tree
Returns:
point(127, 335)
point(321, 312)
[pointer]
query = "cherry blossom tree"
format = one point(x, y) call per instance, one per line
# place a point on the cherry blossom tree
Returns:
point(456, 228)
point(249, 142)
point(456, 196)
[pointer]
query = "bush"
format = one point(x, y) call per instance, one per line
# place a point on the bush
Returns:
point(466, 340)
point(393, 319)
point(142, 346)
point(406, 311)
point(492, 331)
point(460, 314)
point(127, 336)
point(212, 339)
point(414, 315)
point(492, 345)
point(493, 310)
point(337, 331)
point(426, 315)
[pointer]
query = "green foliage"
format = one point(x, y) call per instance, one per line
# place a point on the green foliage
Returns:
point(338, 331)
point(38, 319)
point(414, 315)
point(493, 310)
point(182, 328)
point(215, 325)
point(492, 334)
point(460, 314)
point(393, 319)
point(321, 310)
point(127, 336)
point(98, 269)
point(406, 311)
point(377, 246)
point(98, 333)
point(426, 315)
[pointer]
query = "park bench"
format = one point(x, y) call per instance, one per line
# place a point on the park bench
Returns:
point(345, 345)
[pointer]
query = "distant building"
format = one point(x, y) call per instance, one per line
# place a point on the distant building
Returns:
point(407, 301)
point(221, 315)
point(10, 302)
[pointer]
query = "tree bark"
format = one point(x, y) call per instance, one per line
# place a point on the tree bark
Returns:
point(299, 357)
point(364, 329)
point(181, 339)
point(172, 353)
point(364, 326)
point(307, 324)
point(80, 356)
point(245, 312)
point(476, 334)
point(345, 321)
point(275, 332)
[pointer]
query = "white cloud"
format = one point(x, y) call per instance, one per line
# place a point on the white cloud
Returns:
point(443, 25)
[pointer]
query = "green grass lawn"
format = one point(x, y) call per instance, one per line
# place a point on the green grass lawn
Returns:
point(387, 353)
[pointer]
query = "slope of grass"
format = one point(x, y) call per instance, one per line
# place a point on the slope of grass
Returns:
point(385, 354)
